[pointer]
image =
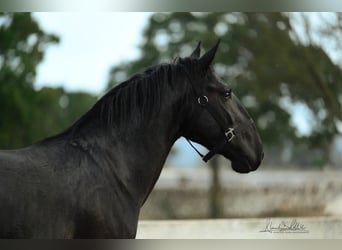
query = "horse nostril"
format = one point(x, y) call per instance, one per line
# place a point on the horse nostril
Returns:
point(262, 155)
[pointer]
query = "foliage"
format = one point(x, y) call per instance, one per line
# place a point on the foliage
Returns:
point(261, 57)
point(28, 115)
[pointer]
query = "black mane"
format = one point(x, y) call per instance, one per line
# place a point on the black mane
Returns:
point(139, 98)
point(91, 180)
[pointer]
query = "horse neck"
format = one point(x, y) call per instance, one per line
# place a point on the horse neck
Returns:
point(137, 152)
point(146, 148)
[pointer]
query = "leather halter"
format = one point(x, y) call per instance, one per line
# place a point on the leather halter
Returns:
point(228, 133)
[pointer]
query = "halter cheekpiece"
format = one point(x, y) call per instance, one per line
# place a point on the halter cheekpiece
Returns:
point(229, 134)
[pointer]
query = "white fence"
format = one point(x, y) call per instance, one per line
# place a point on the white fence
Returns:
point(273, 228)
point(184, 194)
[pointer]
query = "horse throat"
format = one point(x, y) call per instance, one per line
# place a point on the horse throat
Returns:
point(150, 146)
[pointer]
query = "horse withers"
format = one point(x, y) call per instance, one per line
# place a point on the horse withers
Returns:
point(91, 180)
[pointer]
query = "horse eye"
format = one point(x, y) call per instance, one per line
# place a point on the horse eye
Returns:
point(227, 94)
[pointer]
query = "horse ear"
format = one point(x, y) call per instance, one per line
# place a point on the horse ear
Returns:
point(208, 57)
point(197, 52)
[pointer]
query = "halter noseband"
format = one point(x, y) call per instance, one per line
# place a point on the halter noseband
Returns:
point(229, 134)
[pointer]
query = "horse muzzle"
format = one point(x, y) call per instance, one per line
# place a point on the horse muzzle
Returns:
point(245, 166)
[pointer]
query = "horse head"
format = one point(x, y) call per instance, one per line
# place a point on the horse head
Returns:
point(217, 119)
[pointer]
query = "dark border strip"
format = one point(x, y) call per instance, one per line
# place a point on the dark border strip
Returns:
point(170, 5)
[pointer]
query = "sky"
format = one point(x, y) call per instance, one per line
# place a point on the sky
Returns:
point(91, 43)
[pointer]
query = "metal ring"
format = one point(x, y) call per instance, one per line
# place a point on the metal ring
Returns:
point(230, 134)
point(202, 100)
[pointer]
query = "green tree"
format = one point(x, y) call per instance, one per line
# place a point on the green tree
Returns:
point(22, 46)
point(28, 115)
point(325, 97)
point(261, 57)
point(54, 110)
point(262, 60)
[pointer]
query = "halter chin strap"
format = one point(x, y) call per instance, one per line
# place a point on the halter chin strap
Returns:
point(229, 133)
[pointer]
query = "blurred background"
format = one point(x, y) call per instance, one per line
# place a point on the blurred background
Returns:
point(284, 67)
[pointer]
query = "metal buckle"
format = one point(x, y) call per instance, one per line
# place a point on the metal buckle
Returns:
point(202, 100)
point(230, 134)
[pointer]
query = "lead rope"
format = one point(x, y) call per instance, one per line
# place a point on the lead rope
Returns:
point(197, 151)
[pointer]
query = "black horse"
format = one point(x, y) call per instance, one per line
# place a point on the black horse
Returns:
point(91, 180)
